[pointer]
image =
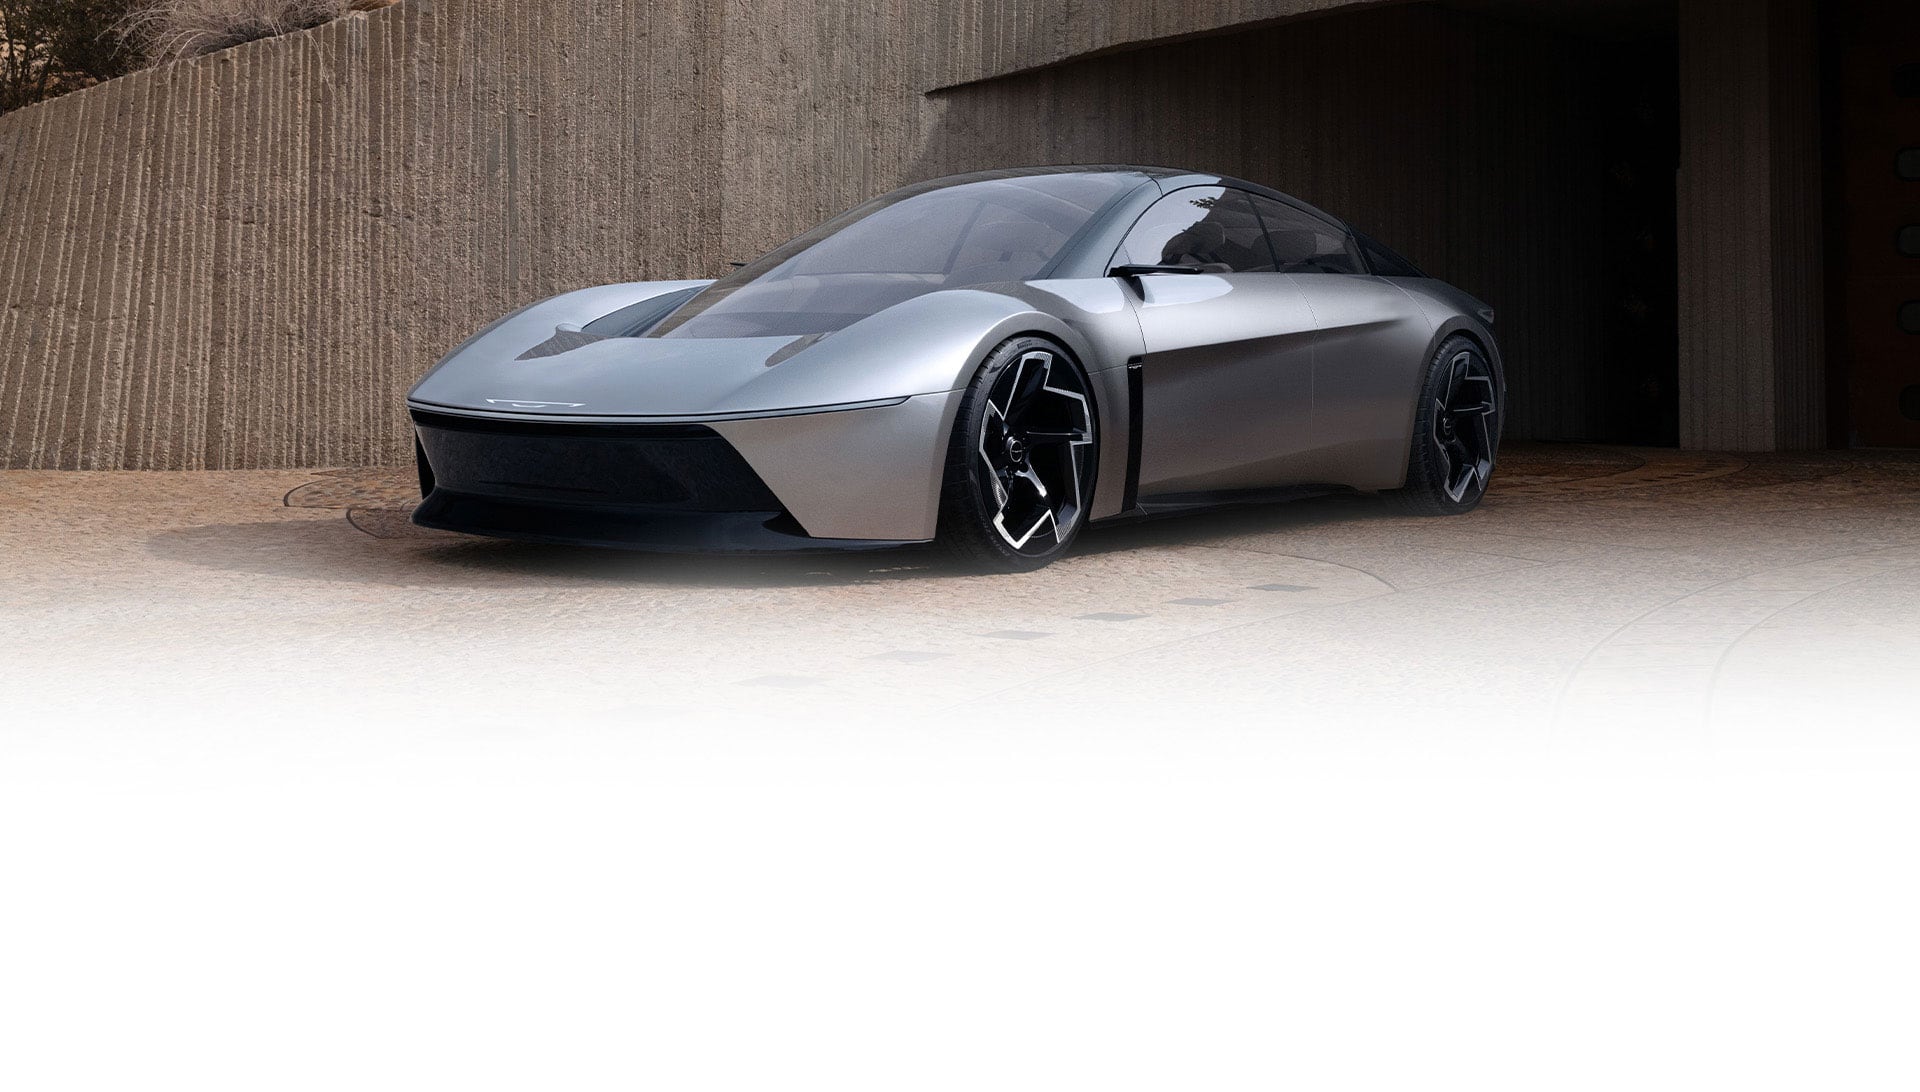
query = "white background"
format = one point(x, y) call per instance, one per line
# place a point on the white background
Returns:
point(786, 904)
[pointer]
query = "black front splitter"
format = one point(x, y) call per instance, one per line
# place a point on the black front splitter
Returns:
point(624, 528)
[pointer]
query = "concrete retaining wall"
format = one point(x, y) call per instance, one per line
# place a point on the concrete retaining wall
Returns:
point(245, 259)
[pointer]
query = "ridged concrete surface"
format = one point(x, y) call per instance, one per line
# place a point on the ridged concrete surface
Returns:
point(245, 259)
point(1752, 352)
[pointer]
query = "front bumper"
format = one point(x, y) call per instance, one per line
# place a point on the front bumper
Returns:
point(850, 479)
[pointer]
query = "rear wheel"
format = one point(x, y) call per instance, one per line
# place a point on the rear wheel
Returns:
point(1020, 465)
point(1456, 433)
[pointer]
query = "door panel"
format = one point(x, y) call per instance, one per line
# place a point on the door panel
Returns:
point(1227, 380)
point(1368, 362)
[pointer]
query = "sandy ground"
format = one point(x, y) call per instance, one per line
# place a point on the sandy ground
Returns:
point(1607, 785)
point(1598, 593)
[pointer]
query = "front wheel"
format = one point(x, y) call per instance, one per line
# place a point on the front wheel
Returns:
point(1020, 466)
point(1456, 433)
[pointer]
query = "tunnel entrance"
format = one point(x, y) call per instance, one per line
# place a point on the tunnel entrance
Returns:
point(1636, 132)
point(1524, 152)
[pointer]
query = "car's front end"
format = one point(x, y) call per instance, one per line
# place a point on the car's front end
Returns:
point(806, 400)
point(542, 428)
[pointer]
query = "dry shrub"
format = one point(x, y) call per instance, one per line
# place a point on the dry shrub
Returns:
point(50, 47)
point(170, 29)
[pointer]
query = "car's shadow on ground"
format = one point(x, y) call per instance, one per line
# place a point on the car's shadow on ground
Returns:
point(378, 546)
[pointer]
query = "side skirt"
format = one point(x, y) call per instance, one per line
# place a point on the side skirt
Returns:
point(1174, 504)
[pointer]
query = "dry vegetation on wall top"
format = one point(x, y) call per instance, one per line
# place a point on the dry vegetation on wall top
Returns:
point(172, 29)
point(50, 47)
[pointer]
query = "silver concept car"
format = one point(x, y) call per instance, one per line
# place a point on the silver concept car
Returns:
point(991, 361)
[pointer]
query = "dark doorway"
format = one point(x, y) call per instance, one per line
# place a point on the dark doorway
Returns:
point(1873, 187)
point(1524, 152)
point(1624, 59)
point(1637, 131)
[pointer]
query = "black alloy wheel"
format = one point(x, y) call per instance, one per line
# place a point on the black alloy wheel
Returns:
point(1456, 433)
point(1020, 473)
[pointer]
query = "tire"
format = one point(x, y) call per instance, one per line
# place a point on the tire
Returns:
point(1456, 432)
point(1021, 462)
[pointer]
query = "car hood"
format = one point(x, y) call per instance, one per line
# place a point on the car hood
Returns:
point(539, 361)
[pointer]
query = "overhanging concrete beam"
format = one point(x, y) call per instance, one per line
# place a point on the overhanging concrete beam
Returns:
point(994, 38)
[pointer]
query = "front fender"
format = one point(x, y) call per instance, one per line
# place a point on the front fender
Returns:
point(936, 342)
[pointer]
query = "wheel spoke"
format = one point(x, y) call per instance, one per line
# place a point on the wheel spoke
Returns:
point(1050, 437)
point(1463, 466)
point(1484, 403)
point(1457, 373)
point(1027, 475)
point(992, 450)
point(1027, 384)
point(1484, 466)
point(1026, 512)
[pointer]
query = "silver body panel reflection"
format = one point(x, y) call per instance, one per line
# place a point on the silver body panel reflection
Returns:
point(1250, 374)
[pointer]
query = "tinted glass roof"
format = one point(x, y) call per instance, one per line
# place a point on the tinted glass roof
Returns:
point(985, 228)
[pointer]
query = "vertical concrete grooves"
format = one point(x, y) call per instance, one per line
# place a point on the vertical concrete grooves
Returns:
point(201, 244)
point(55, 316)
point(78, 312)
point(819, 110)
point(1799, 287)
point(136, 428)
point(20, 158)
point(128, 261)
point(52, 319)
point(1751, 361)
point(12, 196)
point(1424, 170)
point(244, 259)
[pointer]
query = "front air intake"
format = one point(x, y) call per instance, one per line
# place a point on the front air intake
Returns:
point(664, 467)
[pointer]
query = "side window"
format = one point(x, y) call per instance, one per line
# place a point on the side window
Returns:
point(1304, 243)
point(1205, 226)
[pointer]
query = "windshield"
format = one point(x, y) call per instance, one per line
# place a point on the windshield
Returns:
point(917, 240)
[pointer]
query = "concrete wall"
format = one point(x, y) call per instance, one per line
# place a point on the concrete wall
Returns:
point(245, 259)
point(1752, 295)
point(822, 108)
